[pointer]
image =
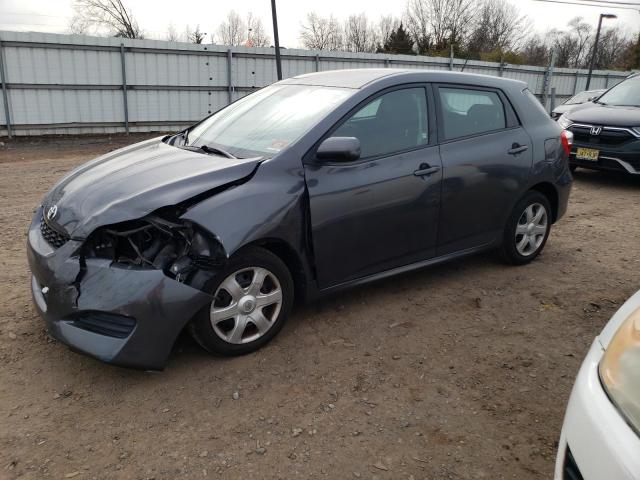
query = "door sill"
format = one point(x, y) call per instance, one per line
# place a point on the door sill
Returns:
point(406, 268)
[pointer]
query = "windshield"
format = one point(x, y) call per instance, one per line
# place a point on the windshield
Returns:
point(581, 98)
point(626, 93)
point(267, 121)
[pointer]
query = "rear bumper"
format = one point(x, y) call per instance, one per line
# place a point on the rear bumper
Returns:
point(564, 190)
point(603, 446)
point(121, 316)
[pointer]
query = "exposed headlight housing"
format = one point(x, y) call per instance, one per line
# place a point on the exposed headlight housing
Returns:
point(181, 249)
point(564, 122)
point(620, 369)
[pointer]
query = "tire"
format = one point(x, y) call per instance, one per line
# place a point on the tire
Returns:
point(515, 250)
point(258, 276)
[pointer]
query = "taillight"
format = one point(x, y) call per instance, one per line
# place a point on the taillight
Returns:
point(567, 141)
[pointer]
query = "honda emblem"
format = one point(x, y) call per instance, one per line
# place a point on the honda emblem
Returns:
point(596, 130)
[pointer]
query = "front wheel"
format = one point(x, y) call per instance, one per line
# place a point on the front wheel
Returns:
point(527, 229)
point(252, 300)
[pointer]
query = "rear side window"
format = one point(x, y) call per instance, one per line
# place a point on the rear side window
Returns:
point(391, 123)
point(470, 112)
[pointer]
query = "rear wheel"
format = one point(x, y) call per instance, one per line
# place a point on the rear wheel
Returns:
point(251, 303)
point(527, 229)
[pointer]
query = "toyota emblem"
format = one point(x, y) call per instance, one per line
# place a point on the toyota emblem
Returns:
point(52, 212)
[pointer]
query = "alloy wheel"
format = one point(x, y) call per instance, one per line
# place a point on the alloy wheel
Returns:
point(531, 229)
point(246, 305)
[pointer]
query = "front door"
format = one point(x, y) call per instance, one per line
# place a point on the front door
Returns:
point(380, 211)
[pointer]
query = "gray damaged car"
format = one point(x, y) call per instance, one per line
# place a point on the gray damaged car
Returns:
point(310, 185)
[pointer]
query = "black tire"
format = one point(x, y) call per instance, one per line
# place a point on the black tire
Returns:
point(509, 250)
point(201, 327)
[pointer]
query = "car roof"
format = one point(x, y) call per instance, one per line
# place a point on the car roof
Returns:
point(361, 77)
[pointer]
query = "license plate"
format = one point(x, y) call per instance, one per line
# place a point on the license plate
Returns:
point(587, 154)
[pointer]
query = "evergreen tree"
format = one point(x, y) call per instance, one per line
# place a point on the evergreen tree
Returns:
point(399, 42)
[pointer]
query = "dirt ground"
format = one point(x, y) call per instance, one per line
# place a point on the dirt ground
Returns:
point(456, 372)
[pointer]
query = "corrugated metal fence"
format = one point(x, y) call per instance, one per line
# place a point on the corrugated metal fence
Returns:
point(61, 84)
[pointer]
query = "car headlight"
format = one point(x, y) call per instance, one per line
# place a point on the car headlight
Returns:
point(564, 122)
point(620, 369)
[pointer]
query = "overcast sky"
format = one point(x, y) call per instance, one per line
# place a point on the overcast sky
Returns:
point(154, 16)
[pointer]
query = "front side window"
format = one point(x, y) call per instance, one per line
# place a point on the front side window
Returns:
point(470, 112)
point(393, 122)
point(268, 121)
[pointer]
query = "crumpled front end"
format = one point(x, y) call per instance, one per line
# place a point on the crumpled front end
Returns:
point(125, 313)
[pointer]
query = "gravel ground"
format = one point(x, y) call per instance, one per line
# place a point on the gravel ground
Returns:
point(459, 371)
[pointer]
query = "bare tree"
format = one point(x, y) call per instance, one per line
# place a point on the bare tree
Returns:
point(110, 14)
point(359, 34)
point(321, 33)
point(498, 26)
point(195, 36)
point(232, 31)
point(534, 51)
point(582, 36)
point(417, 23)
point(572, 46)
point(611, 49)
point(630, 54)
point(79, 25)
point(172, 34)
point(256, 34)
point(435, 24)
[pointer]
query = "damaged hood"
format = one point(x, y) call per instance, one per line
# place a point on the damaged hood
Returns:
point(134, 181)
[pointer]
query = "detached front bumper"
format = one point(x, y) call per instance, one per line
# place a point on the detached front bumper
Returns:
point(128, 317)
point(596, 443)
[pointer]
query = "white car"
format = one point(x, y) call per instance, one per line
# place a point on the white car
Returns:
point(600, 437)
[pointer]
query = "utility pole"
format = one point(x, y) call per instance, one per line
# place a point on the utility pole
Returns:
point(548, 78)
point(276, 39)
point(595, 46)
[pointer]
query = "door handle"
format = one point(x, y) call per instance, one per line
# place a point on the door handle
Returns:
point(516, 148)
point(424, 169)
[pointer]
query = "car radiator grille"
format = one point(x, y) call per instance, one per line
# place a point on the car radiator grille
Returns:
point(606, 138)
point(570, 470)
point(117, 326)
point(53, 237)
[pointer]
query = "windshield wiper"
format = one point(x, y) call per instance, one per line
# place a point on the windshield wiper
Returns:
point(209, 149)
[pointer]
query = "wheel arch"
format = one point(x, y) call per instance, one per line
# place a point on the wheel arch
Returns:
point(549, 191)
point(285, 252)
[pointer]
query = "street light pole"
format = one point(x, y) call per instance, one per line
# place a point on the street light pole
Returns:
point(276, 39)
point(595, 46)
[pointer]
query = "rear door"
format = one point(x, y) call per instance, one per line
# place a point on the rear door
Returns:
point(380, 211)
point(486, 158)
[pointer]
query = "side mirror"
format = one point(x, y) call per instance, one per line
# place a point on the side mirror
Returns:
point(339, 148)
